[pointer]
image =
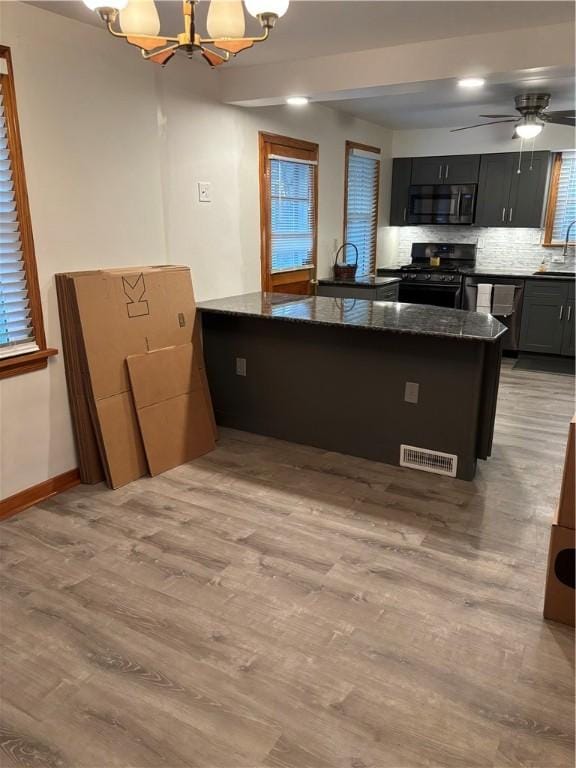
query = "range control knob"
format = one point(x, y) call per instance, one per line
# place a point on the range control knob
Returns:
point(442, 277)
point(427, 276)
point(451, 278)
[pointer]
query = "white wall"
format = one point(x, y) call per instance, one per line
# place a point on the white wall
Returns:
point(495, 138)
point(113, 150)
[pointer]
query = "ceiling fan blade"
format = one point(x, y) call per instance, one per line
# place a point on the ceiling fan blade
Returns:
point(562, 117)
point(479, 125)
point(492, 116)
point(561, 113)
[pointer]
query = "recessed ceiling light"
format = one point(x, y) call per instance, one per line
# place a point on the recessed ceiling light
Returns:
point(471, 82)
point(297, 101)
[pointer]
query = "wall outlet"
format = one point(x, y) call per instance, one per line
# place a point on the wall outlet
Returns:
point(204, 192)
point(480, 243)
point(411, 392)
point(240, 366)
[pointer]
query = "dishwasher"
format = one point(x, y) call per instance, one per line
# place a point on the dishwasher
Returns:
point(513, 321)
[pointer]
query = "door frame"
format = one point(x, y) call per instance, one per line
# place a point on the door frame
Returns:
point(293, 148)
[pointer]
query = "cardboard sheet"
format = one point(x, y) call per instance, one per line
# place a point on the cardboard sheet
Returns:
point(173, 406)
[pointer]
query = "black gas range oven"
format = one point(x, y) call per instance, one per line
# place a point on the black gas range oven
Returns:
point(435, 275)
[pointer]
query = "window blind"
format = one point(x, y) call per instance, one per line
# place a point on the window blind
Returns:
point(16, 331)
point(361, 223)
point(292, 213)
point(565, 199)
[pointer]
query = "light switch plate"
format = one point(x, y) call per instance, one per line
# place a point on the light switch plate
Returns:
point(240, 366)
point(411, 392)
point(204, 192)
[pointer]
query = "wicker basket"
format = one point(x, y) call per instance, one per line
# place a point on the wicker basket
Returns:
point(345, 271)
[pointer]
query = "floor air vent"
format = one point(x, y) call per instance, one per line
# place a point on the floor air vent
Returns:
point(428, 461)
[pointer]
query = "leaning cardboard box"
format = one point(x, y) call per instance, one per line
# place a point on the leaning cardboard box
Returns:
point(125, 312)
point(560, 580)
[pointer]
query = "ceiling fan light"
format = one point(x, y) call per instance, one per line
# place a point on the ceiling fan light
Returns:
point(267, 7)
point(225, 19)
point(529, 130)
point(115, 5)
point(140, 17)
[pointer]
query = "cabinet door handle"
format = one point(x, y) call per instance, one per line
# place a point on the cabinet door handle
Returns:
point(510, 215)
point(404, 215)
point(503, 214)
point(569, 312)
point(440, 172)
point(561, 312)
point(446, 171)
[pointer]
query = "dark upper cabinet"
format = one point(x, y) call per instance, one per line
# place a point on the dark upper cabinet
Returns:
point(494, 190)
point(548, 317)
point(401, 179)
point(507, 198)
point(527, 190)
point(449, 169)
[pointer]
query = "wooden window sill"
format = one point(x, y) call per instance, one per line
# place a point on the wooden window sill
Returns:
point(33, 361)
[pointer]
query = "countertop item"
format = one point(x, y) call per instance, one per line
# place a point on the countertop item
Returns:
point(361, 282)
point(391, 317)
point(525, 274)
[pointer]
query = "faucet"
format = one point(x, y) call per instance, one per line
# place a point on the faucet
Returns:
point(568, 230)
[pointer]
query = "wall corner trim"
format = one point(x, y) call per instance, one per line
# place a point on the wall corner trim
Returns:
point(37, 493)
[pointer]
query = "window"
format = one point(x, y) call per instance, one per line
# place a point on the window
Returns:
point(562, 199)
point(362, 184)
point(22, 342)
point(289, 202)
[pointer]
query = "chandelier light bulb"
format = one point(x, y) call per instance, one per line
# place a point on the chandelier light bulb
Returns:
point(225, 19)
point(140, 17)
point(116, 5)
point(267, 7)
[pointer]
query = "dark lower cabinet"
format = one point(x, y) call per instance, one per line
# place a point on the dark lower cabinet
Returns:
point(548, 318)
point(568, 346)
point(375, 293)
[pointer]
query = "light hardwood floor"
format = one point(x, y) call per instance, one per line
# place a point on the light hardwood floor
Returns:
point(272, 605)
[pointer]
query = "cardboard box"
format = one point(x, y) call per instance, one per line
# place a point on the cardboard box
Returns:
point(108, 315)
point(173, 407)
point(560, 593)
point(566, 513)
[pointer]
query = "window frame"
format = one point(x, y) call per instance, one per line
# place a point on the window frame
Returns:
point(351, 145)
point(551, 204)
point(298, 149)
point(31, 361)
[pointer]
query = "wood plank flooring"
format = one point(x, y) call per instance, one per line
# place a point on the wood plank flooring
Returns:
point(276, 606)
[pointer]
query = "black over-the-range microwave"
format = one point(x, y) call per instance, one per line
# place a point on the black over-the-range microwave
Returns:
point(441, 204)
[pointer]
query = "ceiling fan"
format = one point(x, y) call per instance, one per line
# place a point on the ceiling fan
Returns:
point(533, 109)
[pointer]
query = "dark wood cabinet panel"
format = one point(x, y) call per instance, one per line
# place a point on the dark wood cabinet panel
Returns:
point(568, 340)
point(527, 190)
point(494, 190)
point(401, 178)
point(461, 169)
point(446, 169)
point(427, 170)
point(548, 318)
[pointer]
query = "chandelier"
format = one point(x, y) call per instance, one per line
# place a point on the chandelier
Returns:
point(137, 22)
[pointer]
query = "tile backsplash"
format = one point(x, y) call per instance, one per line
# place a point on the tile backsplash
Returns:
point(497, 247)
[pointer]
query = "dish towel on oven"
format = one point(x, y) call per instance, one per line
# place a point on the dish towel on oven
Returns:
point(503, 300)
point(484, 298)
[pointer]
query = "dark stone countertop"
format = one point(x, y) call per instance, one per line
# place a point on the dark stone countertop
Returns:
point(386, 316)
point(361, 282)
point(493, 272)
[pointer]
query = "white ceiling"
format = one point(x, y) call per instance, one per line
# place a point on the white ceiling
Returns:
point(313, 28)
point(442, 104)
point(321, 27)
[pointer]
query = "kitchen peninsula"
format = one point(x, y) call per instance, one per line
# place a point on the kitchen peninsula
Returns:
point(358, 377)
